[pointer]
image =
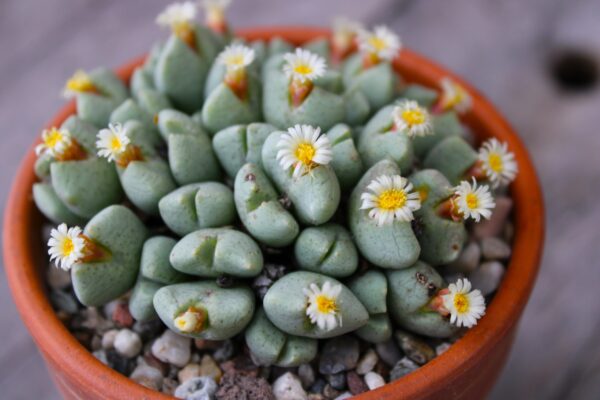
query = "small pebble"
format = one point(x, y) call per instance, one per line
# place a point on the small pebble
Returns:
point(414, 348)
point(402, 367)
point(225, 351)
point(329, 392)
point(169, 385)
point(237, 386)
point(128, 343)
point(64, 301)
point(172, 348)
point(58, 278)
point(355, 382)
point(318, 386)
point(240, 365)
point(108, 339)
point(199, 388)
point(121, 316)
point(154, 362)
point(123, 365)
point(374, 380)
point(494, 225)
point(345, 395)
point(204, 344)
point(338, 355)
point(468, 260)
point(495, 249)
point(389, 352)
point(367, 362)
point(188, 372)
point(208, 367)
point(147, 376)
point(148, 329)
point(442, 348)
point(487, 277)
point(306, 373)
point(288, 387)
point(337, 381)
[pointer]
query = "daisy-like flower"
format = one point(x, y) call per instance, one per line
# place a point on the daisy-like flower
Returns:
point(472, 201)
point(303, 148)
point(390, 197)
point(66, 246)
point(54, 142)
point(454, 96)
point(215, 13)
point(236, 57)
point(177, 15)
point(498, 163)
point(412, 119)
point(465, 306)
point(322, 305)
point(381, 44)
point(192, 320)
point(80, 82)
point(303, 66)
point(112, 142)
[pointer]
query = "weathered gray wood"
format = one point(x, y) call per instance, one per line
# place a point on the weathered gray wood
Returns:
point(502, 47)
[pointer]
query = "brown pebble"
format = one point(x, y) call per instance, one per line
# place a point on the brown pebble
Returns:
point(121, 316)
point(382, 369)
point(241, 365)
point(203, 344)
point(415, 348)
point(355, 383)
point(155, 362)
point(188, 372)
point(238, 386)
point(208, 367)
point(330, 393)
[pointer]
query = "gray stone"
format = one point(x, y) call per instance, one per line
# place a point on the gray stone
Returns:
point(495, 249)
point(468, 260)
point(389, 352)
point(339, 354)
point(414, 348)
point(402, 367)
point(199, 388)
point(127, 343)
point(374, 380)
point(337, 381)
point(306, 373)
point(442, 348)
point(367, 362)
point(494, 225)
point(172, 348)
point(288, 387)
point(487, 277)
point(147, 376)
point(58, 278)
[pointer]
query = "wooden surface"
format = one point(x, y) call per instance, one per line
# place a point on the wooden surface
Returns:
point(502, 47)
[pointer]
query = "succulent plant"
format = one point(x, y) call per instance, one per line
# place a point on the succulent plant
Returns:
point(234, 155)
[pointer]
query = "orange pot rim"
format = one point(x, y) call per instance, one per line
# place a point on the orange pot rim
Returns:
point(23, 261)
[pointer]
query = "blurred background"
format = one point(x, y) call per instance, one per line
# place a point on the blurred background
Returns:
point(537, 60)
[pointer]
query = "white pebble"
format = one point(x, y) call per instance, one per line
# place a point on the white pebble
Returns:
point(108, 339)
point(495, 249)
point(172, 348)
point(147, 376)
point(487, 277)
point(367, 362)
point(374, 380)
point(128, 343)
point(288, 387)
point(345, 395)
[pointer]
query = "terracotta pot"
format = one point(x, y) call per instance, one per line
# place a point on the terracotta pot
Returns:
point(466, 371)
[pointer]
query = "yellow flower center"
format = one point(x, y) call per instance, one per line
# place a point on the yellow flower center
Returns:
point(192, 320)
point(115, 144)
point(472, 200)
point(495, 162)
point(53, 138)
point(305, 153)
point(67, 247)
point(325, 304)
point(457, 97)
point(377, 43)
point(461, 303)
point(80, 82)
point(413, 117)
point(303, 69)
point(391, 199)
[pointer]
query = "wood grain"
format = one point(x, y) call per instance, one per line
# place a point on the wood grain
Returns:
point(503, 48)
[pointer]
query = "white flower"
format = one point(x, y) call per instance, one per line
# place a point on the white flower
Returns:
point(322, 308)
point(474, 202)
point(191, 320)
point(66, 246)
point(303, 147)
point(236, 56)
point(177, 14)
point(78, 83)
point(454, 96)
point(412, 119)
point(388, 198)
point(465, 307)
point(498, 163)
point(303, 65)
point(382, 42)
point(112, 142)
point(54, 142)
